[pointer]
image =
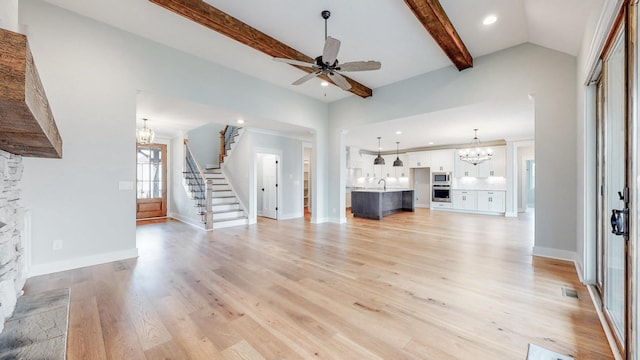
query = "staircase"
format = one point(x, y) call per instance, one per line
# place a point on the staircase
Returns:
point(226, 209)
point(215, 199)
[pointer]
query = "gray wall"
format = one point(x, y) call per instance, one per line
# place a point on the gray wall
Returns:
point(204, 142)
point(519, 71)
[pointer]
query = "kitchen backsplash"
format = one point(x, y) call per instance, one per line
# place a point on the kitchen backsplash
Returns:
point(468, 183)
point(356, 179)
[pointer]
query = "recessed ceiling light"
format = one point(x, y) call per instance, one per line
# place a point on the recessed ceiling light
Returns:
point(324, 83)
point(398, 132)
point(430, 142)
point(240, 121)
point(490, 19)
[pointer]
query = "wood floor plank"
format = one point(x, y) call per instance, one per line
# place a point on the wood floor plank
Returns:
point(421, 285)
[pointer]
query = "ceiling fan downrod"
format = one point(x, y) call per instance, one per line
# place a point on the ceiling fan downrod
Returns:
point(325, 15)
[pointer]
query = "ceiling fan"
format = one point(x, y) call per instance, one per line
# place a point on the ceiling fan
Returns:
point(328, 64)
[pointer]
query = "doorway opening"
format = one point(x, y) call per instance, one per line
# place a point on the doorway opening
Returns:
point(306, 180)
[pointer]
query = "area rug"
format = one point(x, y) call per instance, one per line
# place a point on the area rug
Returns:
point(539, 353)
point(38, 327)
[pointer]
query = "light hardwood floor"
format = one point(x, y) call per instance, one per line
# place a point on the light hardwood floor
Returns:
point(424, 285)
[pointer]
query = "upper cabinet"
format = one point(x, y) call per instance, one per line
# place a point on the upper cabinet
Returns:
point(419, 159)
point(494, 167)
point(442, 160)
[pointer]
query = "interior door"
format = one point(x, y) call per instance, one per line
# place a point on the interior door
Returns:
point(151, 181)
point(613, 191)
point(270, 186)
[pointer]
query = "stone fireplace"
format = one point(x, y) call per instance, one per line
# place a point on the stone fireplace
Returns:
point(12, 278)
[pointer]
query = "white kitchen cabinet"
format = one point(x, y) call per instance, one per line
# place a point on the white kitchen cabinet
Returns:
point(464, 200)
point(440, 205)
point(419, 159)
point(396, 171)
point(496, 166)
point(464, 169)
point(442, 160)
point(491, 201)
point(367, 165)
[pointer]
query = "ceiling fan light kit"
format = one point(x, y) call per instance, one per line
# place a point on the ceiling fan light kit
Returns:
point(328, 64)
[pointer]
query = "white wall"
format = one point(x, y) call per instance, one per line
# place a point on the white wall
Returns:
point(91, 73)
point(204, 143)
point(240, 170)
point(515, 72)
point(180, 205)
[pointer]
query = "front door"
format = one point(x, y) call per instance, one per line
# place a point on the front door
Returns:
point(151, 181)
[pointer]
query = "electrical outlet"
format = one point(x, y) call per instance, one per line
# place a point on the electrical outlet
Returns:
point(57, 245)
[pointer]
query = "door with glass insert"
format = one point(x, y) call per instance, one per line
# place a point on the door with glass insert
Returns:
point(612, 153)
point(151, 180)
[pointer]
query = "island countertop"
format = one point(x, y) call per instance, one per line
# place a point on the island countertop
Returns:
point(376, 203)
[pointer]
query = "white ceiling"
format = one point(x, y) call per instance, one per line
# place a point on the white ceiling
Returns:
point(386, 31)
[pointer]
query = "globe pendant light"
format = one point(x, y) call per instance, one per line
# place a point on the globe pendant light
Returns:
point(378, 160)
point(398, 162)
point(144, 135)
point(474, 154)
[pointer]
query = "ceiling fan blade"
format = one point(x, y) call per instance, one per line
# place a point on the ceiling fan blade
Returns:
point(306, 78)
point(360, 66)
point(340, 81)
point(330, 52)
point(296, 62)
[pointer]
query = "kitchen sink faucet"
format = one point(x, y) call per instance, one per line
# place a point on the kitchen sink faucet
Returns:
point(384, 185)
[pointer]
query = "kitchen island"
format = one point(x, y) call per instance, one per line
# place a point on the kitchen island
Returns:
point(374, 203)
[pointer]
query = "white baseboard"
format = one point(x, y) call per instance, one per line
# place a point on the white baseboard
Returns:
point(579, 271)
point(290, 216)
point(510, 214)
point(318, 220)
point(187, 221)
point(68, 264)
point(554, 253)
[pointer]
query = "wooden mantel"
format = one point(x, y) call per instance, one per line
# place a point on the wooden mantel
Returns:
point(27, 126)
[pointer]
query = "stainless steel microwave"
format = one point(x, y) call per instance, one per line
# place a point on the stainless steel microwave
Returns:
point(441, 177)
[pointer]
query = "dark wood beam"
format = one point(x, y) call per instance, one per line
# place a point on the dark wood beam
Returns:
point(432, 16)
point(27, 126)
point(219, 21)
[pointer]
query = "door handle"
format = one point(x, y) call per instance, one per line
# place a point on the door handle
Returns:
point(262, 189)
point(619, 222)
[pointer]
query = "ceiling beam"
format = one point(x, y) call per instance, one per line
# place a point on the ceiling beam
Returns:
point(432, 16)
point(219, 21)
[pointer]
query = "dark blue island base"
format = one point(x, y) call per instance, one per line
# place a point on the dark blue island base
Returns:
point(374, 204)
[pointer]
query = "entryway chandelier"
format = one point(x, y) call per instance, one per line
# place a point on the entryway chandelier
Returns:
point(144, 135)
point(475, 154)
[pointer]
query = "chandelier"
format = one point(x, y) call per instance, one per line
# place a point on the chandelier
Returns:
point(474, 154)
point(144, 135)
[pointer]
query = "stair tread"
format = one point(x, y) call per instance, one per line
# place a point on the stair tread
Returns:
point(230, 219)
point(225, 211)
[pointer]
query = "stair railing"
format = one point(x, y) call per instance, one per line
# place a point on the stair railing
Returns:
point(198, 186)
point(227, 136)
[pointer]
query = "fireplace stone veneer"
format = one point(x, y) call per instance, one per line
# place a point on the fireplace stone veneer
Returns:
point(12, 278)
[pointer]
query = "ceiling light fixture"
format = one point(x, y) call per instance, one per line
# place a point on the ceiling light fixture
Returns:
point(240, 121)
point(144, 135)
point(397, 162)
point(474, 154)
point(324, 84)
point(398, 132)
point(378, 160)
point(490, 19)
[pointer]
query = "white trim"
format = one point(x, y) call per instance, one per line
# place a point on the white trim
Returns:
point(79, 262)
point(579, 271)
point(336, 220)
point(318, 220)
point(511, 214)
point(553, 253)
point(610, 10)
point(290, 216)
point(603, 322)
point(186, 221)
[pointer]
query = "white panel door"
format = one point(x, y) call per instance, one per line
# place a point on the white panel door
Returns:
point(270, 186)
